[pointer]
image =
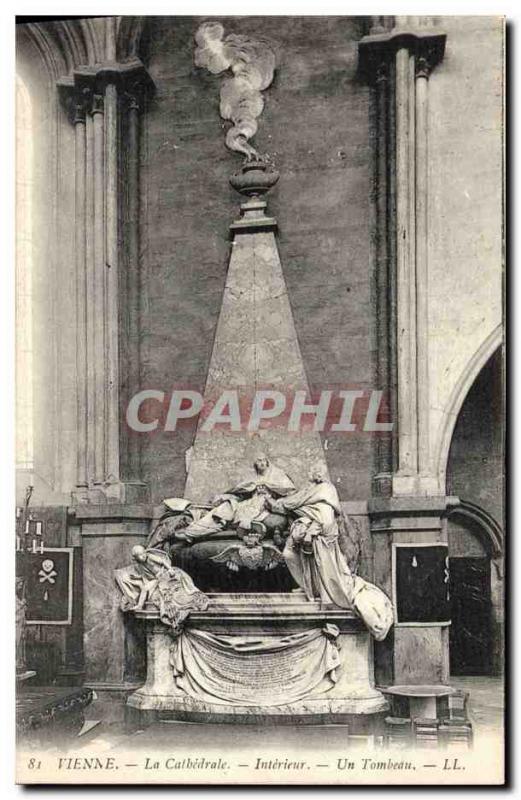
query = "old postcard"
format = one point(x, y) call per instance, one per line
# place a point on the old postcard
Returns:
point(260, 409)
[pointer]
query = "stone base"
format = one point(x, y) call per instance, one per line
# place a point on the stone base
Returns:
point(352, 700)
point(360, 714)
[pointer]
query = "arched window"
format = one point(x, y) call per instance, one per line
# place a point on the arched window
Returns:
point(23, 290)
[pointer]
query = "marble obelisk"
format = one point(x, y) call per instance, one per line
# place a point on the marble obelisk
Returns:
point(255, 348)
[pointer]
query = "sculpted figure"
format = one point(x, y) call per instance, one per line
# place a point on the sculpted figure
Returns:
point(314, 558)
point(151, 578)
point(236, 508)
point(139, 581)
point(312, 553)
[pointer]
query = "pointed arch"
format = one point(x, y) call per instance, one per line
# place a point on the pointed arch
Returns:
point(459, 393)
point(489, 528)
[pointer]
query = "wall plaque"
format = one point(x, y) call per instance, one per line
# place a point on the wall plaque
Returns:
point(421, 584)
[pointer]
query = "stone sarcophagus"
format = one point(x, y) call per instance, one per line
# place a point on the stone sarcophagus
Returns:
point(256, 657)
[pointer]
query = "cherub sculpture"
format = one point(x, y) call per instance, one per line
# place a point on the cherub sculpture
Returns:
point(252, 553)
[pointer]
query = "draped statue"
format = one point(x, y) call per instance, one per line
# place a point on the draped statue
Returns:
point(151, 579)
point(238, 507)
point(315, 560)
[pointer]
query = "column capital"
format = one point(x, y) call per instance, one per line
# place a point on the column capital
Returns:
point(97, 104)
point(375, 52)
point(76, 101)
point(134, 95)
point(88, 81)
point(80, 102)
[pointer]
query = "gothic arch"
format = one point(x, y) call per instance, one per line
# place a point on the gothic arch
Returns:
point(459, 393)
point(36, 49)
point(490, 531)
point(68, 44)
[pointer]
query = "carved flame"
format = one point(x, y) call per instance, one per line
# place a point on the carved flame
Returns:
point(252, 63)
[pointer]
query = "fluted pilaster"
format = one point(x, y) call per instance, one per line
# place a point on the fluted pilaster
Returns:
point(107, 274)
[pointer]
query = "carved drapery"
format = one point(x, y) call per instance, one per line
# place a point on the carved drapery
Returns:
point(103, 101)
point(398, 63)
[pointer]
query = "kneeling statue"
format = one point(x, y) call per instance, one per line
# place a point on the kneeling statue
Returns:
point(315, 560)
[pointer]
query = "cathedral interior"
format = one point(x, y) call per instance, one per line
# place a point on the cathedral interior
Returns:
point(337, 227)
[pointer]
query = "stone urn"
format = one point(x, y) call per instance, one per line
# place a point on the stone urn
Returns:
point(255, 178)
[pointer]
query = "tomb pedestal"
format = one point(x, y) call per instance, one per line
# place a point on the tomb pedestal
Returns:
point(352, 700)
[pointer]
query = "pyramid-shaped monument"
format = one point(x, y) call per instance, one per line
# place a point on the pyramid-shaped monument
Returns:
point(255, 348)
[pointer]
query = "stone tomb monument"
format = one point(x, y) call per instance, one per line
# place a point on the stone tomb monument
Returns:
point(251, 609)
point(247, 656)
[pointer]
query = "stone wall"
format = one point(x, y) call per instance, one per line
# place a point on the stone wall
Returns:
point(316, 125)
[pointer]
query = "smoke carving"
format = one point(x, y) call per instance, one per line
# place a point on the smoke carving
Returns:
point(252, 63)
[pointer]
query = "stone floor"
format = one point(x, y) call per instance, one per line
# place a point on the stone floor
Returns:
point(487, 702)
point(486, 711)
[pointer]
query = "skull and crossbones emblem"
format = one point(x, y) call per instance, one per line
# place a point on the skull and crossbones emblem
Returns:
point(47, 572)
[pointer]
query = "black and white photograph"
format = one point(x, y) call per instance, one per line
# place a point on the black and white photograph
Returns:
point(259, 527)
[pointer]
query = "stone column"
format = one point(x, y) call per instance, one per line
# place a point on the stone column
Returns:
point(405, 286)
point(106, 472)
point(81, 288)
point(86, 394)
point(425, 467)
point(414, 511)
point(112, 432)
point(108, 501)
point(383, 177)
point(134, 103)
point(409, 54)
point(96, 370)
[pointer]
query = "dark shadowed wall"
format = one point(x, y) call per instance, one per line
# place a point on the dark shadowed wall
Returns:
point(475, 470)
